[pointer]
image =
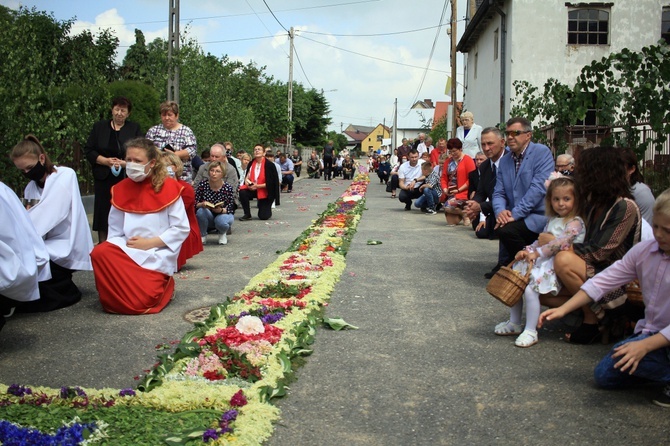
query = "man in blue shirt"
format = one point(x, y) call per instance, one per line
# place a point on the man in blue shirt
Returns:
point(286, 166)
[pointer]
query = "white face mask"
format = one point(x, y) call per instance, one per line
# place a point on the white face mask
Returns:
point(170, 171)
point(135, 171)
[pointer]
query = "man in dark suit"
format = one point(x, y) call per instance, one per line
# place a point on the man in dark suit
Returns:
point(493, 145)
point(518, 198)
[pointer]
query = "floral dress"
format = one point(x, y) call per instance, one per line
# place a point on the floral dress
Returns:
point(543, 279)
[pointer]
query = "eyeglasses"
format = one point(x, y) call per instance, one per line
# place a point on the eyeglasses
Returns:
point(562, 166)
point(514, 133)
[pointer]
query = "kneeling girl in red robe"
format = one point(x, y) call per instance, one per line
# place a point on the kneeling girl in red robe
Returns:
point(147, 226)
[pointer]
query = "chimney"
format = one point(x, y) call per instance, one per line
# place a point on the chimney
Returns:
point(429, 103)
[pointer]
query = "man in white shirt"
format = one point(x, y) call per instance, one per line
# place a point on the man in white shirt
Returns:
point(408, 175)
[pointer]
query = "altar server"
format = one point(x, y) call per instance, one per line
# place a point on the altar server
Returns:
point(58, 215)
point(147, 226)
point(25, 259)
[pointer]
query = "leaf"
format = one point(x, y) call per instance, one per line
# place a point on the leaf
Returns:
point(374, 242)
point(337, 323)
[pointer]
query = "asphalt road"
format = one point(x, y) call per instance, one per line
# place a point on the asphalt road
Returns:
point(424, 367)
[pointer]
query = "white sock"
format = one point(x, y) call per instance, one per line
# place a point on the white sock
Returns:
point(532, 300)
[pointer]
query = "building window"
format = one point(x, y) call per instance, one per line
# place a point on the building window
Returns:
point(495, 45)
point(588, 27)
point(665, 25)
point(591, 118)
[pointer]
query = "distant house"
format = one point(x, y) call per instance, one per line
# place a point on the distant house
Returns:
point(355, 135)
point(374, 139)
point(506, 41)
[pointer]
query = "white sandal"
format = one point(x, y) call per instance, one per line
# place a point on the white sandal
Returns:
point(526, 339)
point(507, 328)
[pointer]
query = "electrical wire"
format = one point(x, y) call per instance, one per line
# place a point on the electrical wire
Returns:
point(273, 15)
point(430, 58)
point(295, 51)
point(368, 56)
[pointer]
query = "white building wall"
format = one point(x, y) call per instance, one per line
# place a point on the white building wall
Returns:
point(537, 48)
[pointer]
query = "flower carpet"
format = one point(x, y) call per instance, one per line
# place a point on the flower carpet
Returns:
point(216, 386)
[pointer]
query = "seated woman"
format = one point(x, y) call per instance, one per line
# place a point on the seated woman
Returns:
point(25, 260)
point(455, 183)
point(348, 166)
point(612, 228)
point(645, 356)
point(193, 244)
point(60, 220)
point(215, 203)
point(393, 177)
point(147, 226)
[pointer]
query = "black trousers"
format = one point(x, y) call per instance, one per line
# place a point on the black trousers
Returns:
point(264, 205)
point(407, 196)
point(515, 236)
point(327, 167)
point(57, 292)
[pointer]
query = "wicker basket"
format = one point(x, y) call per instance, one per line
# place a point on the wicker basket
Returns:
point(634, 293)
point(508, 285)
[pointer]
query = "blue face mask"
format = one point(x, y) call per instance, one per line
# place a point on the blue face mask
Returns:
point(116, 170)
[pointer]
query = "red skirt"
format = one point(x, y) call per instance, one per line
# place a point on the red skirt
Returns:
point(193, 243)
point(124, 286)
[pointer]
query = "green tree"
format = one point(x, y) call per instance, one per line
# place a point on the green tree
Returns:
point(135, 65)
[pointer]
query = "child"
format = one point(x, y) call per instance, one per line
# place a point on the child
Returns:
point(562, 206)
point(431, 189)
point(645, 356)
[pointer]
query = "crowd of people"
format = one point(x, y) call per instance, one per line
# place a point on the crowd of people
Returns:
point(583, 227)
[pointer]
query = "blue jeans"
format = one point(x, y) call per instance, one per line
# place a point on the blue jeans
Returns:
point(428, 199)
point(655, 366)
point(207, 219)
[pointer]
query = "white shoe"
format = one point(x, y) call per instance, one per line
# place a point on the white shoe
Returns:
point(526, 339)
point(204, 240)
point(223, 239)
point(507, 328)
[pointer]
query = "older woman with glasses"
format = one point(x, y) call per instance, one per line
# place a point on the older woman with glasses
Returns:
point(261, 181)
point(455, 183)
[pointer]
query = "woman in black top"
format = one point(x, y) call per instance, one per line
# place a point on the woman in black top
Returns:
point(104, 150)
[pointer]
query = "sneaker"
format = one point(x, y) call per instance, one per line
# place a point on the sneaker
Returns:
point(663, 399)
point(245, 218)
point(430, 211)
point(223, 239)
point(204, 240)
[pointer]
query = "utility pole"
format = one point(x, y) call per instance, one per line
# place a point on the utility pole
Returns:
point(290, 90)
point(173, 47)
point(454, 34)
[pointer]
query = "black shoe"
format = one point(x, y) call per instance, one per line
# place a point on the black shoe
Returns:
point(492, 273)
point(438, 207)
point(424, 209)
point(408, 207)
point(663, 399)
point(245, 218)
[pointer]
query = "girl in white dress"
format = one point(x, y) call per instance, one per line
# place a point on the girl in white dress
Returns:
point(564, 228)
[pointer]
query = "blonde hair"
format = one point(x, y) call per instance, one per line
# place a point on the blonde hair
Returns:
point(172, 159)
point(555, 184)
point(159, 171)
point(214, 164)
point(169, 106)
point(467, 115)
point(662, 204)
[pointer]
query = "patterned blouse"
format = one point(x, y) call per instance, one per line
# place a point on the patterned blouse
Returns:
point(180, 139)
point(205, 193)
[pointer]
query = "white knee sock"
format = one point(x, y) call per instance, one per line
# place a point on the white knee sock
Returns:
point(515, 312)
point(532, 300)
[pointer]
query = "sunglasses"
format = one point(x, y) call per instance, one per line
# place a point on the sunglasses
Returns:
point(515, 132)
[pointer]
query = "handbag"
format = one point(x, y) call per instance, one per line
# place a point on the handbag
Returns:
point(508, 285)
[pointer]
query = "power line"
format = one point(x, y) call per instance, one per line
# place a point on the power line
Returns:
point(301, 67)
point(273, 15)
point(233, 15)
point(373, 35)
point(430, 57)
point(370, 57)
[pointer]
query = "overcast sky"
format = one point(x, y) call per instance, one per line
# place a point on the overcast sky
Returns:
point(363, 54)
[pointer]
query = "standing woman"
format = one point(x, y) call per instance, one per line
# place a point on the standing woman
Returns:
point(193, 244)
point(470, 134)
point(104, 151)
point(59, 218)
point(261, 182)
point(175, 137)
point(147, 226)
